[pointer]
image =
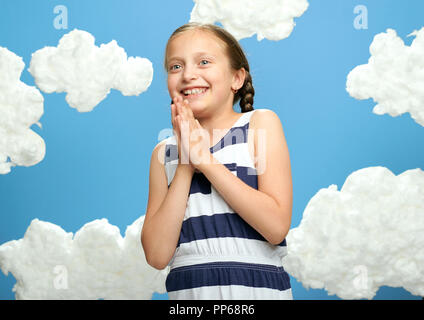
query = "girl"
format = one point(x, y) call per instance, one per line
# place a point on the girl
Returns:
point(220, 195)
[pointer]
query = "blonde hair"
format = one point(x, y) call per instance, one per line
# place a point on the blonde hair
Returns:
point(235, 54)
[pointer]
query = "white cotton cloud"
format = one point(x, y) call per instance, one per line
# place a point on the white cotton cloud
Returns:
point(21, 106)
point(271, 19)
point(393, 77)
point(95, 263)
point(87, 72)
point(368, 234)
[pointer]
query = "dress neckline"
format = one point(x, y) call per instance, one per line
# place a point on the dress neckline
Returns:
point(229, 130)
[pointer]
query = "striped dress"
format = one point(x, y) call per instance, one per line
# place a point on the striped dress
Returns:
point(219, 255)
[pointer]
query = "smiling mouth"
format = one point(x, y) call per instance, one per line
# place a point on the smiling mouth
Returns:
point(195, 94)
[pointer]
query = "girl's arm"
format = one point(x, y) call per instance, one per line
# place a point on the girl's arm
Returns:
point(165, 210)
point(268, 210)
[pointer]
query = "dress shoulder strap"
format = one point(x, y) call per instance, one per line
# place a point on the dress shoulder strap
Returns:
point(245, 118)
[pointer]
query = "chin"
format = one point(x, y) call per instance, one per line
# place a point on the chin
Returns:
point(199, 110)
point(197, 107)
point(197, 103)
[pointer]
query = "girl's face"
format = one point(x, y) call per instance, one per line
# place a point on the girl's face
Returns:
point(197, 60)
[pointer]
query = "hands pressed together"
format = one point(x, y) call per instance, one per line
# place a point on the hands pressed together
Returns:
point(192, 139)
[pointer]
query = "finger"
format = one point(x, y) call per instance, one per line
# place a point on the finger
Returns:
point(177, 124)
point(187, 107)
point(199, 127)
point(173, 110)
point(177, 99)
point(183, 108)
point(180, 108)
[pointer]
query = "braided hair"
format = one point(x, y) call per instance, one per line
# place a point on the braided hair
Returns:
point(237, 58)
point(245, 94)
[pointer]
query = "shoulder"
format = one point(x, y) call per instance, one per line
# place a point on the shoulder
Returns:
point(267, 128)
point(264, 118)
point(160, 145)
point(167, 141)
point(158, 153)
point(168, 146)
point(163, 143)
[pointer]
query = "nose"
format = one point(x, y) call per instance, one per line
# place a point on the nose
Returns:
point(189, 73)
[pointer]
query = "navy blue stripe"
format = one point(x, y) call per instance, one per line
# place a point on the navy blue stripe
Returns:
point(248, 175)
point(228, 273)
point(234, 136)
point(218, 226)
point(200, 183)
point(171, 152)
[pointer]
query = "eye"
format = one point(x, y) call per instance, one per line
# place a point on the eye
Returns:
point(204, 61)
point(172, 67)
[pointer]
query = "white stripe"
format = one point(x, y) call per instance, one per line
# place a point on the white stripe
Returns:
point(232, 292)
point(170, 169)
point(200, 204)
point(228, 249)
point(238, 153)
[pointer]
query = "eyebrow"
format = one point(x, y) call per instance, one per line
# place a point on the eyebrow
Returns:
point(202, 53)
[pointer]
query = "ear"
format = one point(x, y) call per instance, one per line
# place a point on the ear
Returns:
point(238, 78)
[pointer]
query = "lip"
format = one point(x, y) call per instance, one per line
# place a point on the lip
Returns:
point(194, 96)
point(192, 87)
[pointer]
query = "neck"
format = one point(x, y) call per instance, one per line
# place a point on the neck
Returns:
point(220, 121)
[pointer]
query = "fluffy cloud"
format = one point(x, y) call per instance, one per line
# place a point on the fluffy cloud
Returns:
point(95, 263)
point(87, 72)
point(21, 106)
point(393, 77)
point(368, 234)
point(271, 19)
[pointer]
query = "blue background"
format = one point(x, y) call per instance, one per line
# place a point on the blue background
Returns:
point(97, 163)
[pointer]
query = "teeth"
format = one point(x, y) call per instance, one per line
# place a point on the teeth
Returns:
point(194, 91)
